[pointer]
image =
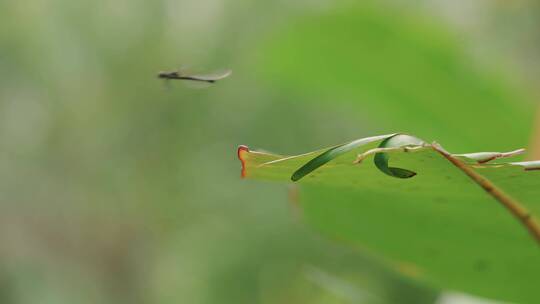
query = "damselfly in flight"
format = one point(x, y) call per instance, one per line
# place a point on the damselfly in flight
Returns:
point(180, 75)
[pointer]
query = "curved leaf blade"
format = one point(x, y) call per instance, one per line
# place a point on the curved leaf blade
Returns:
point(396, 141)
point(334, 152)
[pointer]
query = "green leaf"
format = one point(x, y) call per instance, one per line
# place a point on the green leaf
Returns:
point(436, 221)
point(333, 153)
point(381, 159)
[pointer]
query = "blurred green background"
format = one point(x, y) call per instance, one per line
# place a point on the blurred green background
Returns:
point(117, 188)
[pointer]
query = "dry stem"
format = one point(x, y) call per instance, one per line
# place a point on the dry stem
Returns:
point(512, 205)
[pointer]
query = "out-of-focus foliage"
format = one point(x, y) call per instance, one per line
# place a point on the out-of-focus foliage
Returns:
point(439, 223)
point(115, 188)
point(399, 72)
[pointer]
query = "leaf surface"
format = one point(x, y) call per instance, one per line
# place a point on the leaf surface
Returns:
point(399, 197)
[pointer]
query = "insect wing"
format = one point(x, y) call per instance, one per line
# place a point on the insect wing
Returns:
point(212, 76)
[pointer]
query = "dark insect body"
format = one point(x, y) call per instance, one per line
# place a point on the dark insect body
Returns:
point(178, 75)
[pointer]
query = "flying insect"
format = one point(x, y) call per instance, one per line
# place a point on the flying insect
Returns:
point(181, 75)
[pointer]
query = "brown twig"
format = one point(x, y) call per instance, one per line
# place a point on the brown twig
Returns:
point(512, 205)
